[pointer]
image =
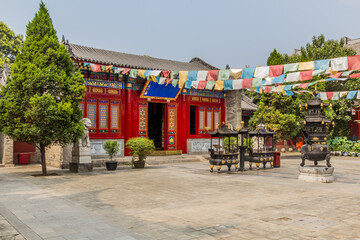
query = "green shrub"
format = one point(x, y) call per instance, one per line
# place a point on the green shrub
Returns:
point(140, 147)
point(111, 148)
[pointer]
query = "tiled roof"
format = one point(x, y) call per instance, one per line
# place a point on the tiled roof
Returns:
point(107, 57)
point(247, 104)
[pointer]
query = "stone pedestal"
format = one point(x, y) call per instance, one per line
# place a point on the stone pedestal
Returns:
point(81, 159)
point(321, 174)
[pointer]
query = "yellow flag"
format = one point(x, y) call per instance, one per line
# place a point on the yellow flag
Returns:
point(183, 76)
point(280, 88)
point(141, 73)
point(219, 85)
point(237, 73)
point(306, 66)
point(153, 78)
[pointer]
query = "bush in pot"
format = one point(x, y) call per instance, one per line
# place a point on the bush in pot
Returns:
point(140, 148)
point(111, 148)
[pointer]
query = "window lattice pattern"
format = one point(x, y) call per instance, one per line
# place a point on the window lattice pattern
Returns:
point(209, 119)
point(202, 120)
point(142, 118)
point(103, 116)
point(171, 119)
point(91, 114)
point(216, 118)
point(114, 117)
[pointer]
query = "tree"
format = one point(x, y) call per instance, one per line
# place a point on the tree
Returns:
point(275, 58)
point(10, 44)
point(40, 102)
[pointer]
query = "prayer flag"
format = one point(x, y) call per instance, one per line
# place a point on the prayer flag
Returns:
point(267, 81)
point(210, 85)
point(155, 72)
point(354, 62)
point(96, 68)
point(174, 74)
point(355, 75)
point(329, 95)
point(219, 85)
point(141, 73)
point(194, 84)
point(280, 88)
point(358, 95)
point(278, 79)
point(323, 96)
point(126, 70)
point(351, 94)
point(147, 73)
point(247, 83)
point(343, 93)
point(267, 89)
point(292, 77)
point(168, 81)
point(335, 74)
point(322, 64)
point(202, 84)
point(237, 73)
point(248, 73)
point(162, 80)
point(306, 66)
point(256, 82)
point(212, 75)
point(201, 76)
point(336, 96)
point(165, 73)
point(288, 87)
point(183, 75)
point(304, 85)
point(275, 70)
point(318, 72)
point(347, 73)
point(188, 84)
point(224, 74)
point(133, 73)
point(174, 82)
point(192, 76)
point(289, 93)
point(261, 72)
point(291, 67)
point(228, 84)
point(103, 68)
point(237, 84)
point(306, 75)
point(339, 64)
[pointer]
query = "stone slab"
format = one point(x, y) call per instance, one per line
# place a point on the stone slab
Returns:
point(322, 174)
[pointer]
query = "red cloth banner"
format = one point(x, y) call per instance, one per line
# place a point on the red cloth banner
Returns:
point(354, 62)
point(329, 95)
point(355, 75)
point(201, 85)
point(126, 70)
point(247, 83)
point(166, 73)
point(267, 89)
point(275, 70)
point(97, 68)
point(306, 75)
point(337, 75)
point(304, 85)
point(212, 75)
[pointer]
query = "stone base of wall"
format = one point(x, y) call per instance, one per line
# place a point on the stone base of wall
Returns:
point(98, 152)
point(198, 145)
point(80, 167)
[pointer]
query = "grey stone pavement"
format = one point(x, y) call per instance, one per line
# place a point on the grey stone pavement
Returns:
point(180, 201)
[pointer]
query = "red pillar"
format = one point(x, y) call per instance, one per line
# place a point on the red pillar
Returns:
point(131, 121)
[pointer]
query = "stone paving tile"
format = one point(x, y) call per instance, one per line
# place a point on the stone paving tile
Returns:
point(185, 201)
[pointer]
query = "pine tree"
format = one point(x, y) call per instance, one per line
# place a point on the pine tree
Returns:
point(39, 105)
point(275, 58)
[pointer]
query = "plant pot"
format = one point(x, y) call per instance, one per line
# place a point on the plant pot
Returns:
point(138, 164)
point(332, 153)
point(353, 154)
point(345, 153)
point(111, 166)
point(337, 153)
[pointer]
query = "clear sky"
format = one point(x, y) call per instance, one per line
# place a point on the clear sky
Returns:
point(220, 32)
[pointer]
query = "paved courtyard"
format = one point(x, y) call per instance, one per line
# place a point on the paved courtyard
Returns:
point(180, 201)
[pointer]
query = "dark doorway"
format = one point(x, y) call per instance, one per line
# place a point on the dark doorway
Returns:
point(156, 124)
point(192, 120)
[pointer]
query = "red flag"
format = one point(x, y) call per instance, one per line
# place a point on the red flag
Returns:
point(275, 70)
point(97, 68)
point(304, 85)
point(354, 62)
point(201, 85)
point(329, 95)
point(267, 89)
point(337, 75)
point(212, 75)
point(355, 75)
point(247, 83)
point(126, 70)
point(168, 80)
point(306, 75)
point(166, 73)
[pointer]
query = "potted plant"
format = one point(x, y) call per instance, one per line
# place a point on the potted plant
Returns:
point(140, 148)
point(111, 148)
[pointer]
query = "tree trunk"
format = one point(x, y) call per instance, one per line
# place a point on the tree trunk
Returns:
point(43, 160)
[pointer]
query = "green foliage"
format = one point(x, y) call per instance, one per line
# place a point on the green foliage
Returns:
point(275, 58)
point(111, 148)
point(140, 147)
point(344, 145)
point(40, 101)
point(10, 44)
point(232, 142)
